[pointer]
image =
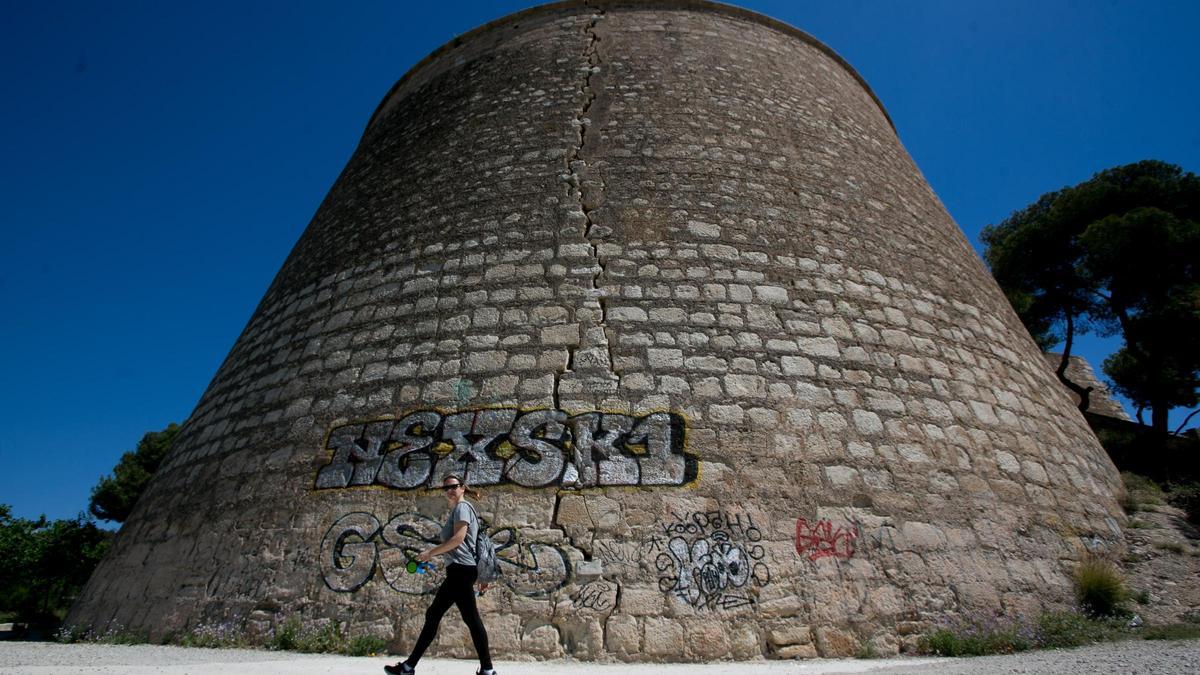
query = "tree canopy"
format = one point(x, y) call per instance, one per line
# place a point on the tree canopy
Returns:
point(44, 564)
point(114, 496)
point(1117, 253)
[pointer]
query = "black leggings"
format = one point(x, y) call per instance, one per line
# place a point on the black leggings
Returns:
point(458, 589)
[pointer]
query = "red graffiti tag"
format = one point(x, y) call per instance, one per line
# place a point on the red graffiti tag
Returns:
point(821, 540)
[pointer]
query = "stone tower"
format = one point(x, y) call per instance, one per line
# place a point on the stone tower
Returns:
point(661, 278)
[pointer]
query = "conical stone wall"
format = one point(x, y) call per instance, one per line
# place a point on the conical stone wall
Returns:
point(661, 278)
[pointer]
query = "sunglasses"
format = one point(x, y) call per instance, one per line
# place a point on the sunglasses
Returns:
point(447, 488)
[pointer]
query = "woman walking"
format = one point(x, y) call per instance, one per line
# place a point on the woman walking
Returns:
point(458, 542)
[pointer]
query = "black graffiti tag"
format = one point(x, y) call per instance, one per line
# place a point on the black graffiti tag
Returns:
point(598, 595)
point(357, 546)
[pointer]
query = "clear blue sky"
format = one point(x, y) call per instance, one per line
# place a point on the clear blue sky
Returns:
point(160, 159)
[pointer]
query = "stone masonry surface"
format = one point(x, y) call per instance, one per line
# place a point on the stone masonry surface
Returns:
point(663, 273)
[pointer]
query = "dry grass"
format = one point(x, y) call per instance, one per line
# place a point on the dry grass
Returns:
point(1099, 588)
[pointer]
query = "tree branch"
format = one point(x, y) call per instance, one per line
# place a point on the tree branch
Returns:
point(1185, 421)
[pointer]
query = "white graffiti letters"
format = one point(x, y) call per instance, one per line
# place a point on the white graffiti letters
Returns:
point(534, 448)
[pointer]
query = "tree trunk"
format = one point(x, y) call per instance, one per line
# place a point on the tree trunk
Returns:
point(1084, 393)
point(1158, 417)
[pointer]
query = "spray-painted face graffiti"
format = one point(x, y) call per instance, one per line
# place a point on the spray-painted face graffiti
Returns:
point(820, 539)
point(536, 448)
point(712, 560)
point(357, 546)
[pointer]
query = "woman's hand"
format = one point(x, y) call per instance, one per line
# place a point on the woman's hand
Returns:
point(425, 556)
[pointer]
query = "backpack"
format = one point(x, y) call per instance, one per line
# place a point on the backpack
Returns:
point(486, 565)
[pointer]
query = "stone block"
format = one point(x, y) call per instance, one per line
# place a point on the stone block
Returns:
point(642, 601)
point(542, 641)
point(706, 641)
point(745, 386)
point(790, 635)
point(704, 230)
point(923, 536)
point(797, 366)
point(663, 637)
point(664, 359)
point(627, 313)
point(622, 635)
point(836, 643)
point(797, 652)
point(818, 346)
point(566, 334)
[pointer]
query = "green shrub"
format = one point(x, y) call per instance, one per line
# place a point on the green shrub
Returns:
point(1099, 589)
point(979, 636)
point(118, 636)
point(1143, 490)
point(286, 637)
point(1187, 497)
point(1052, 630)
point(69, 635)
point(113, 635)
point(1175, 631)
point(945, 642)
point(1059, 630)
point(327, 640)
point(1171, 546)
point(365, 645)
point(219, 636)
point(1140, 491)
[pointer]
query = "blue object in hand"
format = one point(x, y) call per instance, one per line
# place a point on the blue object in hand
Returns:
point(415, 567)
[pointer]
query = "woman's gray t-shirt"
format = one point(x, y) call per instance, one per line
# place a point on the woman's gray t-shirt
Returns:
point(465, 553)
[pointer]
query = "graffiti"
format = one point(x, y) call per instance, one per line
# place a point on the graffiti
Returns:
point(618, 553)
point(711, 560)
point(357, 547)
point(463, 391)
point(533, 448)
point(598, 595)
point(351, 554)
point(820, 539)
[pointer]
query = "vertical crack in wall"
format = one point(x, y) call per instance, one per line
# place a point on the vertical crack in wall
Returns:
point(592, 362)
point(584, 193)
point(595, 527)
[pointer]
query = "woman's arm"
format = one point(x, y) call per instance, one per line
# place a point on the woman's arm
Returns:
point(455, 540)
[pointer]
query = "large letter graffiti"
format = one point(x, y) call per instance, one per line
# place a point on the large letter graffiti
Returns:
point(712, 560)
point(349, 552)
point(356, 546)
point(821, 540)
point(535, 448)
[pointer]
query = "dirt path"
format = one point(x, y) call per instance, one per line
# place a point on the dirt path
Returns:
point(40, 658)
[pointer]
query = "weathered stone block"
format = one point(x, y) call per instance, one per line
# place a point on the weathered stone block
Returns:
point(663, 637)
point(835, 643)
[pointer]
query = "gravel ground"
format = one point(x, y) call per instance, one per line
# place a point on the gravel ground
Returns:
point(41, 657)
